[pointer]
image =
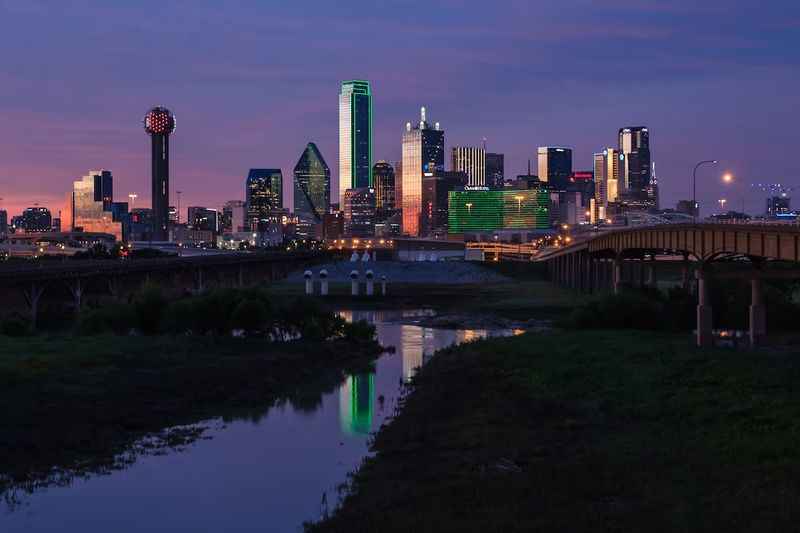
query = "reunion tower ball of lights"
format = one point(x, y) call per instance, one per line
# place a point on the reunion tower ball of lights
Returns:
point(159, 121)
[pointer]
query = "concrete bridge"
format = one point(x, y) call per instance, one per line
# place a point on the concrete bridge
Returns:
point(748, 251)
point(24, 285)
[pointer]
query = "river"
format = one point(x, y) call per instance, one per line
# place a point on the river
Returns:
point(266, 474)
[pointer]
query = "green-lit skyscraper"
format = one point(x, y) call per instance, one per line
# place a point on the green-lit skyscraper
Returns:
point(355, 136)
point(312, 185)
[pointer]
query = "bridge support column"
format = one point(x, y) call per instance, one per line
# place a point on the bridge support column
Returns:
point(76, 289)
point(240, 277)
point(685, 272)
point(616, 275)
point(199, 285)
point(758, 315)
point(113, 287)
point(650, 273)
point(32, 296)
point(704, 313)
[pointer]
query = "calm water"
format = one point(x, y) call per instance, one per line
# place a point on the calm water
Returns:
point(260, 475)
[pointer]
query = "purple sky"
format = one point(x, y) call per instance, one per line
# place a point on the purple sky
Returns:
point(251, 82)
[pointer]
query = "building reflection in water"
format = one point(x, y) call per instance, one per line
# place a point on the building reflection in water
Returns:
point(356, 401)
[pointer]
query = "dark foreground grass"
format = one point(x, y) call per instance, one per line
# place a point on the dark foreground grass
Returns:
point(71, 405)
point(591, 431)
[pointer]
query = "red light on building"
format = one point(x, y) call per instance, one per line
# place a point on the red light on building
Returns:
point(581, 176)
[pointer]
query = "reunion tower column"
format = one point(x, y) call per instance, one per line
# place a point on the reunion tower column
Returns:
point(159, 122)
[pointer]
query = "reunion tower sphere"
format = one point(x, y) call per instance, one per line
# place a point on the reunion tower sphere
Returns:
point(159, 121)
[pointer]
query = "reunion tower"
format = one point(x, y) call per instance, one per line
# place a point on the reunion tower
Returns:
point(159, 123)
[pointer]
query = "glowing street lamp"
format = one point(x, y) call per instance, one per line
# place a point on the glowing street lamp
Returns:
point(133, 196)
point(469, 207)
point(722, 202)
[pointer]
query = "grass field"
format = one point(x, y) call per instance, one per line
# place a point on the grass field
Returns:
point(587, 431)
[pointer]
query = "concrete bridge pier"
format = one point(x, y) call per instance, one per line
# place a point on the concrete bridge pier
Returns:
point(75, 287)
point(758, 314)
point(704, 313)
point(616, 279)
point(32, 295)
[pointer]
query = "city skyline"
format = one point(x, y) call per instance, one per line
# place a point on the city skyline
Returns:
point(692, 102)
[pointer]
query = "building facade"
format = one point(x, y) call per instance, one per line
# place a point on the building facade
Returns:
point(555, 166)
point(383, 177)
point(606, 182)
point(471, 161)
point(359, 212)
point(355, 136)
point(202, 219)
point(92, 206)
point(423, 155)
point(264, 195)
point(435, 201)
point(483, 211)
point(495, 170)
point(234, 214)
point(312, 185)
point(635, 174)
point(36, 220)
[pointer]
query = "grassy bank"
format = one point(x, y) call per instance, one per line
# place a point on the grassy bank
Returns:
point(71, 404)
point(587, 431)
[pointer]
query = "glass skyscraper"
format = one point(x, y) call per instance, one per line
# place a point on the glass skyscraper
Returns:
point(355, 136)
point(384, 180)
point(555, 166)
point(92, 204)
point(634, 144)
point(264, 195)
point(423, 155)
point(312, 185)
point(495, 170)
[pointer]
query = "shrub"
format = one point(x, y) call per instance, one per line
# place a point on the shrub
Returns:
point(149, 309)
point(359, 331)
point(15, 326)
point(250, 315)
point(117, 319)
point(627, 310)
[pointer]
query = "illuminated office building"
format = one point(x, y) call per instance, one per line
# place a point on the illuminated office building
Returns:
point(423, 155)
point(635, 175)
point(555, 166)
point(359, 212)
point(159, 123)
point(202, 219)
point(355, 136)
point(312, 185)
point(481, 210)
point(495, 170)
point(92, 205)
point(234, 214)
point(3, 221)
point(35, 220)
point(471, 161)
point(607, 166)
point(264, 196)
point(435, 201)
point(383, 177)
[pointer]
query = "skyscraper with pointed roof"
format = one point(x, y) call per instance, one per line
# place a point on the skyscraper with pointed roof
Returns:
point(312, 185)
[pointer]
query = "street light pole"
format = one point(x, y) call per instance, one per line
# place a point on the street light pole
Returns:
point(694, 185)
